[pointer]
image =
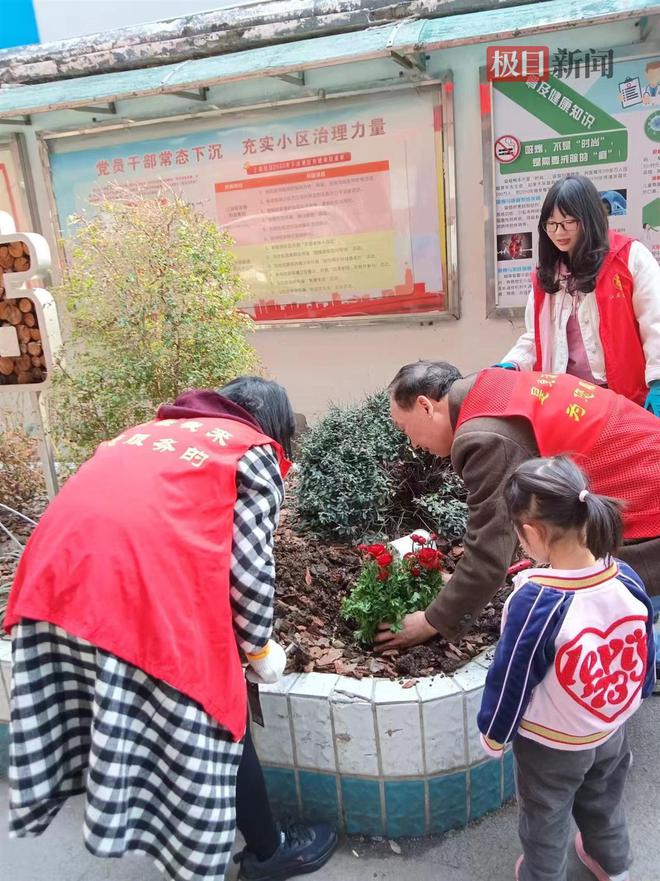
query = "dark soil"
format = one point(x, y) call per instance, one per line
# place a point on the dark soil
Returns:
point(312, 579)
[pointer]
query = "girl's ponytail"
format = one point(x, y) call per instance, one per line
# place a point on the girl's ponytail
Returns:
point(604, 529)
point(554, 491)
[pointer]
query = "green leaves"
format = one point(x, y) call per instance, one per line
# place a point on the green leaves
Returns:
point(373, 601)
point(151, 293)
point(360, 477)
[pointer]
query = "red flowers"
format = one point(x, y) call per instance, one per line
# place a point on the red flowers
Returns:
point(373, 550)
point(382, 556)
point(425, 558)
point(429, 558)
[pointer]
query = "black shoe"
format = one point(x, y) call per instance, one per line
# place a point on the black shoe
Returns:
point(303, 849)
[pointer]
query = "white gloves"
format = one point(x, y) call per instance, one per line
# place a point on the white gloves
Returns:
point(267, 665)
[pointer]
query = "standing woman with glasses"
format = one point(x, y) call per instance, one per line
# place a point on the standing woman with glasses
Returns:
point(594, 307)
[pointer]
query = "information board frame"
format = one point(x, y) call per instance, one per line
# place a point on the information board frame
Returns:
point(443, 85)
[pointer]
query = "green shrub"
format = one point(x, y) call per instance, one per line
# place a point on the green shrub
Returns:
point(361, 478)
point(344, 490)
point(448, 516)
point(152, 296)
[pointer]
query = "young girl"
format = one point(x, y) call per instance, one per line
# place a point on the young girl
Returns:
point(574, 660)
point(594, 309)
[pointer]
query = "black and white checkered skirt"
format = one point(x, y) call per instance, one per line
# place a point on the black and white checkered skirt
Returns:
point(158, 773)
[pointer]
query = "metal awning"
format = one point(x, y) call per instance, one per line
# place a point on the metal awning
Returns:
point(406, 40)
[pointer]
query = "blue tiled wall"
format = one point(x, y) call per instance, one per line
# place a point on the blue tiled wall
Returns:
point(396, 808)
point(319, 796)
point(362, 806)
point(447, 802)
point(405, 809)
point(485, 788)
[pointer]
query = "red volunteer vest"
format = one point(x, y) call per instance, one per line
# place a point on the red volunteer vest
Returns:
point(134, 556)
point(613, 440)
point(625, 363)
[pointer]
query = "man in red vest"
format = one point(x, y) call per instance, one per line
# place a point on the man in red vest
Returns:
point(492, 421)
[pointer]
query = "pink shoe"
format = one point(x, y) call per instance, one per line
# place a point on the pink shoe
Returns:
point(519, 863)
point(593, 866)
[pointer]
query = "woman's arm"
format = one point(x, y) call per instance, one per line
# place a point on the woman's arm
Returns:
point(646, 303)
point(252, 576)
point(523, 354)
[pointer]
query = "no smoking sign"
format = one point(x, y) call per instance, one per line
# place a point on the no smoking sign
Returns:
point(507, 148)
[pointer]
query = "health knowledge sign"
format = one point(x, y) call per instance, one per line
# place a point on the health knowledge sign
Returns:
point(336, 212)
point(604, 127)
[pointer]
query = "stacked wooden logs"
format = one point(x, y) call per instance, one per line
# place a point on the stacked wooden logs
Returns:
point(30, 365)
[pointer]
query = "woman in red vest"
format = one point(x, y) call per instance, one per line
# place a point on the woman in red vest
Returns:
point(146, 575)
point(594, 307)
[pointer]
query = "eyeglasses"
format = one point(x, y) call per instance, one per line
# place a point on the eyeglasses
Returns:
point(566, 225)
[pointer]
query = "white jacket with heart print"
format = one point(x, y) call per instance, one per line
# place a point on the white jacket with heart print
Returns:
point(575, 658)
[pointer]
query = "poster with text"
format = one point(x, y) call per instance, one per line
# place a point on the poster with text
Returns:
point(606, 128)
point(335, 211)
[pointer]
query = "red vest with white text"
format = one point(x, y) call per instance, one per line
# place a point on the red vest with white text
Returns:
point(134, 556)
point(615, 442)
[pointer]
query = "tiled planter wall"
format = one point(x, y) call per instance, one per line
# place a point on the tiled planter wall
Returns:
point(377, 758)
point(369, 755)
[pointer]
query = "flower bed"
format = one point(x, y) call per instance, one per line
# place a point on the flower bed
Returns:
point(314, 577)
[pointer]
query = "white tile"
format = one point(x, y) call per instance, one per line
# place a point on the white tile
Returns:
point(470, 677)
point(349, 689)
point(485, 659)
point(433, 688)
point(313, 733)
point(355, 737)
point(5, 676)
point(444, 734)
point(472, 704)
point(4, 702)
point(387, 692)
point(315, 684)
point(273, 742)
point(282, 686)
point(400, 737)
point(5, 651)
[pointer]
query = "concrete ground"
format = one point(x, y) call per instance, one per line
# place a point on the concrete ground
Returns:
point(485, 851)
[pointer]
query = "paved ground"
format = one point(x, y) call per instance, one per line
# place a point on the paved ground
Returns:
point(486, 851)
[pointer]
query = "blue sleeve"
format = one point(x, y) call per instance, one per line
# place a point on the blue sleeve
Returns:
point(637, 588)
point(524, 653)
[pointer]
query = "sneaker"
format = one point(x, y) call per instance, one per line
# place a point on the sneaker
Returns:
point(302, 849)
point(593, 866)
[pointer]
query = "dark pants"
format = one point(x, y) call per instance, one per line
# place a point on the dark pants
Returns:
point(253, 815)
point(552, 784)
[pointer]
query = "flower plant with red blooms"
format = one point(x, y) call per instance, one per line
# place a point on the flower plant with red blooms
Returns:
point(389, 587)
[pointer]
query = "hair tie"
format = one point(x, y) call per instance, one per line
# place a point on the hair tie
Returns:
point(582, 495)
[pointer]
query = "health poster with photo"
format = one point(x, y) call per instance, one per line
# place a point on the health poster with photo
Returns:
point(335, 212)
point(606, 128)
